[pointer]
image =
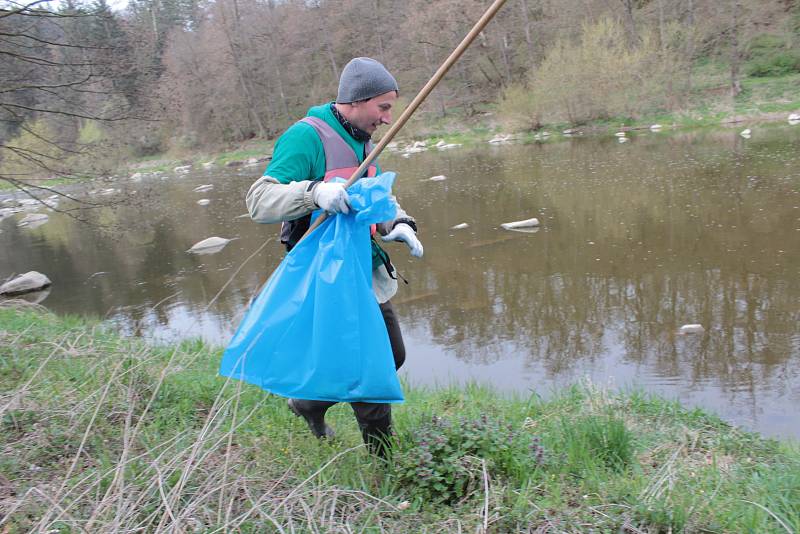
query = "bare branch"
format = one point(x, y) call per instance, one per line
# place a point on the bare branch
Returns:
point(42, 61)
point(65, 113)
point(50, 43)
point(44, 87)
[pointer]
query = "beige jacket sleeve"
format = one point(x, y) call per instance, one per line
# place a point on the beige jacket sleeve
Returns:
point(269, 201)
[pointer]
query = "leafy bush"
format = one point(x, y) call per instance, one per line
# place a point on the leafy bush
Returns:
point(442, 462)
point(779, 64)
point(33, 152)
point(518, 108)
point(772, 55)
point(603, 76)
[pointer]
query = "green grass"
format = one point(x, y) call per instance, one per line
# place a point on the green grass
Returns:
point(43, 182)
point(168, 161)
point(101, 433)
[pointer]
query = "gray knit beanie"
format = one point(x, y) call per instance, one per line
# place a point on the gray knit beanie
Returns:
point(362, 79)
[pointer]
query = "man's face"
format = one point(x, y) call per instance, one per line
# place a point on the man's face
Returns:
point(369, 114)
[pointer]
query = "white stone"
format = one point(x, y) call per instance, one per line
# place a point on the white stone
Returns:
point(33, 220)
point(794, 117)
point(746, 133)
point(209, 245)
point(182, 168)
point(527, 223)
point(438, 178)
point(655, 127)
point(208, 164)
point(460, 226)
point(622, 139)
point(8, 212)
point(500, 138)
point(691, 329)
point(25, 283)
point(203, 188)
point(620, 134)
point(136, 177)
point(203, 202)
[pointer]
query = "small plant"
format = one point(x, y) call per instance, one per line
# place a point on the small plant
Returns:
point(596, 441)
point(443, 462)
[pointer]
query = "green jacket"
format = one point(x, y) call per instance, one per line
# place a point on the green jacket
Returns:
point(299, 155)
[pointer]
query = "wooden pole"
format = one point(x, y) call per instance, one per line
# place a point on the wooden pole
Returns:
point(421, 96)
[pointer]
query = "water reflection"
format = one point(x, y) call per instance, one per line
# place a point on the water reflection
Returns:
point(635, 241)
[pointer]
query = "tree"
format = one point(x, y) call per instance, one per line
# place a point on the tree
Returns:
point(56, 72)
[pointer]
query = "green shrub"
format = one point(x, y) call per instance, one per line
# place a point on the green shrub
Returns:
point(772, 55)
point(779, 64)
point(442, 462)
point(518, 108)
point(600, 77)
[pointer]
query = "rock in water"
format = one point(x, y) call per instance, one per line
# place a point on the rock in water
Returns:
point(500, 138)
point(203, 202)
point(527, 223)
point(210, 245)
point(460, 226)
point(25, 283)
point(203, 188)
point(438, 178)
point(691, 329)
point(33, 220)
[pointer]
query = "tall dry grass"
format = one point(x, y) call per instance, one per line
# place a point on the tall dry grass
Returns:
point(126, 448)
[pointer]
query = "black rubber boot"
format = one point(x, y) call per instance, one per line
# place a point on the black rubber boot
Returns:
point(377, 435)
point(314, 414)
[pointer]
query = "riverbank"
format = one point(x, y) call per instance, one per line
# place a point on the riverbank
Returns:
point(762, 100)
point(103, 434)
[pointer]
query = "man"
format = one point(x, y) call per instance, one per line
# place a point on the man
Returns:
point(332, 140)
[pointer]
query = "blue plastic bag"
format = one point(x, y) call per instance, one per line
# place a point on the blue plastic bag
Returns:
point(315, 331)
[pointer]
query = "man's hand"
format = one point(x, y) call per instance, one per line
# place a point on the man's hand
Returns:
point(403, 232)
point(331, 197)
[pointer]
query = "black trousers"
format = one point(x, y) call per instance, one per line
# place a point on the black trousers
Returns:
point(374, 419)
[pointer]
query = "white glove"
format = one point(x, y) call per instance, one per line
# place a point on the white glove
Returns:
point(331, 197)
point(403, 232)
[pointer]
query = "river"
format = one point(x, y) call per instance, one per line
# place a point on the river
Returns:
point(636, 240)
